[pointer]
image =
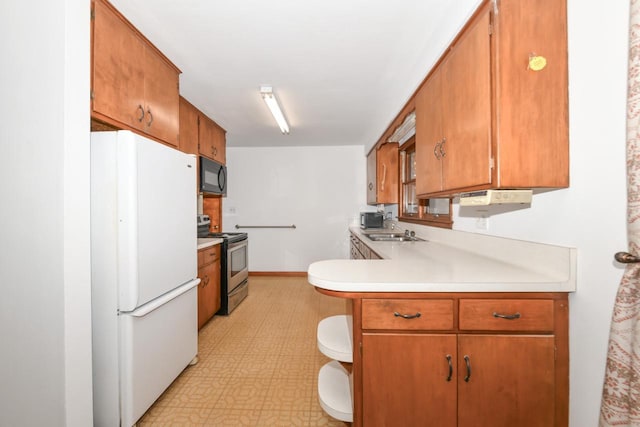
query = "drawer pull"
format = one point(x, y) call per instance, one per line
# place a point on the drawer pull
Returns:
point(506, 316)
point(468, 363)
point(450, 367)
point(407, 316)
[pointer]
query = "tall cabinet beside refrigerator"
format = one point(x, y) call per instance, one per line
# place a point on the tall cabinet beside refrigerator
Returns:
point(143, 272)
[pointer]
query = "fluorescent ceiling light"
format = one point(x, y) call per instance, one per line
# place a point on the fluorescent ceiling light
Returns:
point(272, 103)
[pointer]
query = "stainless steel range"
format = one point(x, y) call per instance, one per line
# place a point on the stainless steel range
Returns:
point(234, 266)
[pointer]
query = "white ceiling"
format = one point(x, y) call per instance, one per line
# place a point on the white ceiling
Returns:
point(342, 69)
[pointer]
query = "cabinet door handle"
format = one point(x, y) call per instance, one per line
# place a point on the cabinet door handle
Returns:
point(467, 362)
point(206, 280)
point(407, 316)
point(442, 152)
point(150, 116)
point(437, 151)
point(370, 186)
point(141, 113)
point(506, 316)
point(450, 367)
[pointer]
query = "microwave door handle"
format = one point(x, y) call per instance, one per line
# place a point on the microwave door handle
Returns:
point(222, 179)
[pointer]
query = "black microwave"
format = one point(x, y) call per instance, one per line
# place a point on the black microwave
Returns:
point(213, 177)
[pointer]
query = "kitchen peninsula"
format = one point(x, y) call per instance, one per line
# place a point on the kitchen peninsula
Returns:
point(459, 330)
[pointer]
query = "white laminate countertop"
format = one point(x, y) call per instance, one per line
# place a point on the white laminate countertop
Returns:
point(208, 241)
point(465, 262)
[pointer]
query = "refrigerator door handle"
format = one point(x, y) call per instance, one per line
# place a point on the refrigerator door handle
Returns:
point(162, 300)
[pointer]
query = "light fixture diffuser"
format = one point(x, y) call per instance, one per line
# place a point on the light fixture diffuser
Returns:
point(272, 103)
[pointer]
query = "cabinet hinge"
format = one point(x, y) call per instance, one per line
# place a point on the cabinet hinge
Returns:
point(92, 95)
point(93, 14)
point(360, 348)
point(490, 29)
point(492, 163)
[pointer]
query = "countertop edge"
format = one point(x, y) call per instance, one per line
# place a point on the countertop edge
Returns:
point(207, 242)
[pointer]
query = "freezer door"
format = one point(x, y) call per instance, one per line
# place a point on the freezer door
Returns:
point(156, 346)
point(157, 220)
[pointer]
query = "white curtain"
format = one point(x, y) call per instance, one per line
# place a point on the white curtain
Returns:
point(621, 391)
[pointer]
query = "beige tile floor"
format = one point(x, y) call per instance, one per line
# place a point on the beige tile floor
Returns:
point(258, 366)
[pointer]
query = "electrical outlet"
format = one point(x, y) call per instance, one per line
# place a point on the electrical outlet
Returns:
point(482, 223)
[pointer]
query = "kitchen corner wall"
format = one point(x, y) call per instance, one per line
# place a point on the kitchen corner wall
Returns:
point(319, 189)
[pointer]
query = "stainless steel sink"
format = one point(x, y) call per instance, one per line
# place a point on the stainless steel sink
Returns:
point(393, 237)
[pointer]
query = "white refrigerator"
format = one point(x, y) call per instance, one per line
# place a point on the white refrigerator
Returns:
point(143, 272)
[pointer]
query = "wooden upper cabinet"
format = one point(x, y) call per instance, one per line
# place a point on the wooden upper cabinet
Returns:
point(429, 135)
point(494, 111)
point(161, 98)
point(382, 174)
point(201, 135)
point(134, 86)
point(466, 114)
point(212, 140)
point(453, 116)
point(188, 127)
point(531, 94)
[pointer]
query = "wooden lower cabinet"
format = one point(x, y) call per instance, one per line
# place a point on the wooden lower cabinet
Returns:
point(405, 380)
point(461, 360)
point(359, 250)
point(209, 287)
point(511, 380)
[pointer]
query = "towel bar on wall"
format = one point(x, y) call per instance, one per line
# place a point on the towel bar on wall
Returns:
point(266, 226)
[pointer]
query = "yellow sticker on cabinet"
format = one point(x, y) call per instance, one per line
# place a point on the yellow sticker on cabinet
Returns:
point(537, 63)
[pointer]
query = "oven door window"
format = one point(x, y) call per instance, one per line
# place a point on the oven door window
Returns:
point(238, 260)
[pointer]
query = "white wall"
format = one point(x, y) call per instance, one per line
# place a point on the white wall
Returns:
point(319, 189)
point(45, 324)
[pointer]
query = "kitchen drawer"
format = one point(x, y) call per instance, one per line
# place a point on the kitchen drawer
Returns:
point(506, 315)
point(434, 314)
point(208, 255)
